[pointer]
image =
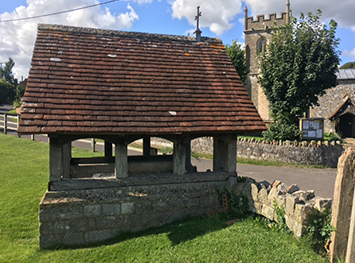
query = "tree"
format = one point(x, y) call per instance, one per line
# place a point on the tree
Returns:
point(8, 84)
point(7, 92)
point(300, 64)
point(348, 65)
point(237, 56)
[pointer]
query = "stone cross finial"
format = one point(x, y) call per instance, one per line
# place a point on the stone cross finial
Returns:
point(288, 12)
point(198, 31)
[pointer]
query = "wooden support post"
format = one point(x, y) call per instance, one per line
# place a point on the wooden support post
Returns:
point(350, 251)
point(225, 153)
point(18, 124)
point(231, 166)
point(108, 149)
point(66, 159)
point(188, 165)
point(146, 146)
point(179, 158)
point(55, 159)
point(121, 160)
point(5, 123)
point(93, 145)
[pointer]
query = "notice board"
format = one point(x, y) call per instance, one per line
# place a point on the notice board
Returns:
point(312, 128)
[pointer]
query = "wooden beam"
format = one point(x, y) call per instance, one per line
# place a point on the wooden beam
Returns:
point(108, 149)
point(146, 146)
point(121, 160)
point(66, 159)
point(225, 153)
point(179, 157)
point(55, 159)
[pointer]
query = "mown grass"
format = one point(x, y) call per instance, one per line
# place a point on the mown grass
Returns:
point(23, 182)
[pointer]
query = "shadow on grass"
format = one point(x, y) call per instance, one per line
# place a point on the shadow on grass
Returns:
point(178, 232)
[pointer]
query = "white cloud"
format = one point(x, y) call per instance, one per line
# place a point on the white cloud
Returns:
point(342, 12)
point(217, 15)
point(17, 38)
point(350, 53)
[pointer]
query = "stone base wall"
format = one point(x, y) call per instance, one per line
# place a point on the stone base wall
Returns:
point(82, 217)
point(314, 153)
point(296, 203)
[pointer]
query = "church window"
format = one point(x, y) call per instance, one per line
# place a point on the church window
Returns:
point(261, 45)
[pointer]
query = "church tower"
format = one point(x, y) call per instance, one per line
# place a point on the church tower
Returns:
point(257, 36)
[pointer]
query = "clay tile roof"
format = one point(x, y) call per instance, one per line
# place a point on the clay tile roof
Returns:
point(91, 81)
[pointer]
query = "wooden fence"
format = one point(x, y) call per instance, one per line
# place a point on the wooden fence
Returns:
point(9, 122)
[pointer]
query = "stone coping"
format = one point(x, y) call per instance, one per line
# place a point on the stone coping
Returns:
point(137, 180)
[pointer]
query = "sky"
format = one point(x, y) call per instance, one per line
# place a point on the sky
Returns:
point(220, 18)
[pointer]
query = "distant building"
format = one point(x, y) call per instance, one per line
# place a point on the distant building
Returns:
point(257, 36)
point(337, 105)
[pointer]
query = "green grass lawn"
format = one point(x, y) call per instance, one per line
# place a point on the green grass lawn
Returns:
point(23, 181)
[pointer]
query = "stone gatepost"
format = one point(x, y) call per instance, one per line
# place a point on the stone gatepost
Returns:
point(342, 207)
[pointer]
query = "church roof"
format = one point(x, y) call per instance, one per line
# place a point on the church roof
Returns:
point(345, 74)
point(91, 81)
point(346, 107)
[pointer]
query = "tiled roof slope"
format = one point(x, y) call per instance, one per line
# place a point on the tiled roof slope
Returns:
point(111, 82)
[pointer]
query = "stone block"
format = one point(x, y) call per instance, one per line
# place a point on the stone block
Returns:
point(111, 209)
point(290, 204)
point(304, 196)
point(281, 200)
point(127, 208)
point(258, 208)
point(46, 228)
point(263, 196)
point(295, 226)
point(82, 225)
point(99, 235)
point(276, 183)
point(251, 206)
point(282, 187)
point(273, 194)
point(265, 184)
point(92, 210)
point(73, 238)
point(321, 203)
point(301, 213)
point(268, 212)
point(292, 188)
point(47, 213)
point(231, 183)
point(254, 192)
point(49, 241)
point(107, 222)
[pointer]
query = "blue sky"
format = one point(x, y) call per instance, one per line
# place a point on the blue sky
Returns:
point(220, 18)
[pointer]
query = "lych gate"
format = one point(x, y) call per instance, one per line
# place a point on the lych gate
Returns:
point(120, 87)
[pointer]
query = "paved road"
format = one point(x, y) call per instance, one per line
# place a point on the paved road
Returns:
point(320, 180)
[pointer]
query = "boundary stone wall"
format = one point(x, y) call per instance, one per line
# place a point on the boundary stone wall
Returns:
point(82, 217)
point(314, 153)
point(298, 204)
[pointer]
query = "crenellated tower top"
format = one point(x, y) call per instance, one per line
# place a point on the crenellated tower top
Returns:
point(262, 23)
